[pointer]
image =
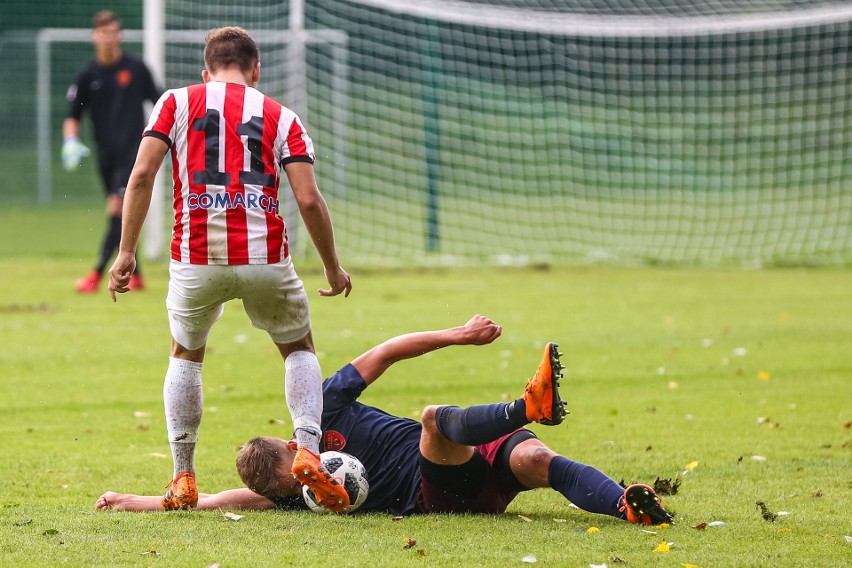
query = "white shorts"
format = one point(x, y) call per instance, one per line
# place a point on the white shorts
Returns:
point(273, 297)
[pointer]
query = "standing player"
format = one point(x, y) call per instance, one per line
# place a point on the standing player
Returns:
point(457, 460)
point(228, 144)
point(113, 88)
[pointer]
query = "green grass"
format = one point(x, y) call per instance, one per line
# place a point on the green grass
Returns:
point(653, 383)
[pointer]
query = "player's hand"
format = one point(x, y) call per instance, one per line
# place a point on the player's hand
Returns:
point(480, 330)
point(120, 272)
point(339, 281)
point(73, 152)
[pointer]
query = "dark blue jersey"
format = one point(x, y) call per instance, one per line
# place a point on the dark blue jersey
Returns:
point(388, 446)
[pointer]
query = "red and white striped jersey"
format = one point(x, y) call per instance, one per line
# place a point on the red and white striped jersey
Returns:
point(229, 144)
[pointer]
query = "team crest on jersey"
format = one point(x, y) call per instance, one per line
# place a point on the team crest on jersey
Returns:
point(123, 77)
point(333, 441)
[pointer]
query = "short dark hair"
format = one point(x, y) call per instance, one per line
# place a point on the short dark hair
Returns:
point(231, 46)
point(258, 463)
point(104, 18)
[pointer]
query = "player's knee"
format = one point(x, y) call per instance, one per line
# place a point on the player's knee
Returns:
point(429, 417)
point(534, 457)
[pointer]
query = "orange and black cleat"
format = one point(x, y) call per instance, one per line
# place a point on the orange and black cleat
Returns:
point(541, 394)
point(308, 470)
point(182, 493)
point(641, 505)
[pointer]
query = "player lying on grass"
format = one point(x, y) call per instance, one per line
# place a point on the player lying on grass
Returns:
point(474, 459)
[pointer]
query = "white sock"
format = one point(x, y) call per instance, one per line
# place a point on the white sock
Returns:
point(303, 389)
point(183, 401)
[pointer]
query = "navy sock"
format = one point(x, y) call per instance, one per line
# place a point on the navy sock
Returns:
point(112, 239)
point(481, 424)
point(585, 486)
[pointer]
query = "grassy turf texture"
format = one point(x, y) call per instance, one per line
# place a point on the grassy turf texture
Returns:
point(679, 374)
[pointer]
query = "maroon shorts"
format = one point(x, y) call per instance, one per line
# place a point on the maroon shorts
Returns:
point(482, 485)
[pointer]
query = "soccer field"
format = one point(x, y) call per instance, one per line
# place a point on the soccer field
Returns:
point(735, 383)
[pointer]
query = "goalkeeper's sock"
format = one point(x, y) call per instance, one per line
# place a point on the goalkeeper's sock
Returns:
point(112, 239)
point(183, 401)
point(482, 423)
point(586, 487)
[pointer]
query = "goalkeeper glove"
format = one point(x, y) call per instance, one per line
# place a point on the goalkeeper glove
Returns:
point(73, 152)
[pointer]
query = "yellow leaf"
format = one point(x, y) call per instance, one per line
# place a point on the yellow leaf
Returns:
point(592, 530)
point(663, 547)
point(785, 529)
point(663, 525)
point(691, 465)
point(764, 375)
point(690, 566)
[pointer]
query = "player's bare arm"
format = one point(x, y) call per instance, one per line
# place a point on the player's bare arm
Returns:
point(479, 330)
point(314, 212)
point(137, 199)
point(244, 499)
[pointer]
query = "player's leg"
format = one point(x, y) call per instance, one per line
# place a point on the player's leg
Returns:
point(485, 423)
point(112, 233)
point(275, 300)
point(535, 465)
point(194, 303)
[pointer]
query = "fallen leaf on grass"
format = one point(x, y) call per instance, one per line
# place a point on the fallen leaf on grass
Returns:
point(848, 538)
point(691, 465)
point(24, 523)
point(233, 516)
point(764, 375)
point(664, 546)
point(529, 559)
point(700, 526)
point(690, 566)
point(593, 530)
point(848, 425)
point(149, 553)
point(765, 512)
point(785, 529)
point(646, 531)
point(598, 566)
point(716, 524)
point(525, 519)
point(409, 542)
point(667, 486)
point(50, 532)
point(157, 455)
point(758, 458)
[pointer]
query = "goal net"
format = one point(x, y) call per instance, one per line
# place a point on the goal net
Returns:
point(517, 132)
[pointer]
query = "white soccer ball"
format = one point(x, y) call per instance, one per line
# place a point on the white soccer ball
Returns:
point(350, 472)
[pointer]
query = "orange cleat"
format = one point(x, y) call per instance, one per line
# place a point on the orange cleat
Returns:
point(641, 505)
point(88, 284)
point(308, 470)
point(541, 394)
point(136, 282)
point(182, 493)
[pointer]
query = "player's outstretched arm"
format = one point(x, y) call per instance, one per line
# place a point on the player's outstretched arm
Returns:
point(479, 330)
point(314, 212)
point(242, 498)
